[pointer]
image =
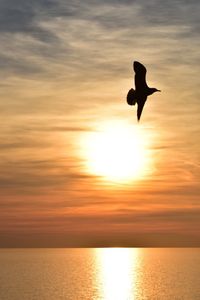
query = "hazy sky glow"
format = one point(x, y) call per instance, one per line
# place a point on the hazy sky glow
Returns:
point(65, 69)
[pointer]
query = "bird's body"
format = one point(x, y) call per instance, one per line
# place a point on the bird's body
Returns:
point(142, 91)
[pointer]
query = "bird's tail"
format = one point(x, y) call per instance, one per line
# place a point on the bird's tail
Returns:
point(131, 100)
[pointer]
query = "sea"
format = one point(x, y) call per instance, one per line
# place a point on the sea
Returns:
point(100, 273)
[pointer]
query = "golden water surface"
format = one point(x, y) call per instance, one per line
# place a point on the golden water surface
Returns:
point(108, 273)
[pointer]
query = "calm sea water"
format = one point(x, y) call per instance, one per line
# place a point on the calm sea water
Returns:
point(109, 273)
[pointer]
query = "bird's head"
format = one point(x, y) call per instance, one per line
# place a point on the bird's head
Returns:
point(153, 90)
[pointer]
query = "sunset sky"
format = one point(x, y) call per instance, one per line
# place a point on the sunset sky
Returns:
point(65, 69)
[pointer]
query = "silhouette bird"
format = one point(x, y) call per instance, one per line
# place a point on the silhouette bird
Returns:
point(142, 91)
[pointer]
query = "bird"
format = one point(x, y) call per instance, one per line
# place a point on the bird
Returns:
point(142, 91)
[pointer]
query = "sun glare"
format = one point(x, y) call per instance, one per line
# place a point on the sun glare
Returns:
point(117, 151)
point(118, 272)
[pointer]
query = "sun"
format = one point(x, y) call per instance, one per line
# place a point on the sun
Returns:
point(117, 151)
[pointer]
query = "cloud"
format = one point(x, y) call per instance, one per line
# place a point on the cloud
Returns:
point(77, 28)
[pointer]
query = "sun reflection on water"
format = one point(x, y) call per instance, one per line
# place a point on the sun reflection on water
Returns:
point(117, 273)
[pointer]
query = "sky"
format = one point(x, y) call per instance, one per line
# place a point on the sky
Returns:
point(65, 69)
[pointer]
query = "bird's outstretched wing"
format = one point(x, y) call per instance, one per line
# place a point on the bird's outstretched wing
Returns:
point(141, 104)
point(131, 100)
point(140, 76)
